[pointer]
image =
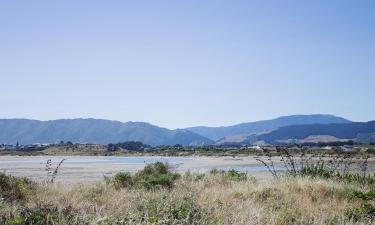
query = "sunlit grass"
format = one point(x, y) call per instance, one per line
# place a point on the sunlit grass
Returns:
point(213, 198)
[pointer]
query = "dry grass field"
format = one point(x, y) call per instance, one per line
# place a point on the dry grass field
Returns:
point(158, 196)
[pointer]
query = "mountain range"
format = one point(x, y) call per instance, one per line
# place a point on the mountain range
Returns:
point(216, 133)
point(93, 131)
point(281, 129)
point(357, 131)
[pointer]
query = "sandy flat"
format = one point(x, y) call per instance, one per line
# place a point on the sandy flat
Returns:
point(77, 169)
point(82, 169)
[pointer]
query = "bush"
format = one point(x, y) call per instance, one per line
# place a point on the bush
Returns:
point(230, 174)
point(152, 176)
point(236, 175)
point(156, 180)
point(122, 180)
point(215, 171)
point(155, 168)
point(14, 188)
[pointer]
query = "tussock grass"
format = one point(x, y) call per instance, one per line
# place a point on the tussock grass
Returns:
point(214, 198)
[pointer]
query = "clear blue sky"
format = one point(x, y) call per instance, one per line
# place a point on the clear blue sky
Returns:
point(185, 63)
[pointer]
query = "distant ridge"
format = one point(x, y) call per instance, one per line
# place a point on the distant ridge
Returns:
point(93, 131)
point(358, 131)
point(216, 133)
point(102, 131)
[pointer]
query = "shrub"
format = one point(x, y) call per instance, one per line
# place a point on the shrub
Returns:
point(156, 180)
point(230, 174)
point(14, 188)
point(215, 171)
point(152, 176)
point(122, 180)
point(155, 168)
point(236, 175)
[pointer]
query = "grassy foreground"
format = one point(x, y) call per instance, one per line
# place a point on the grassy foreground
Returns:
point(157, 196)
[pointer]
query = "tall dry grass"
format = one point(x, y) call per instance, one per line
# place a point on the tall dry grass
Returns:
point(198, 199)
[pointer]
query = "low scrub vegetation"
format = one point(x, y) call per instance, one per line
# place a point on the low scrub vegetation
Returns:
point(156, 195)
point(230, 174)
point(155, 175)
point(14, 188)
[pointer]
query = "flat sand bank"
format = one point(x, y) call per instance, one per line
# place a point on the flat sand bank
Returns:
point(82, 169)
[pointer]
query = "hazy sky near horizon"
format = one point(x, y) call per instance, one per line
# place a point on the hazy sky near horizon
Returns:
point(186, 63)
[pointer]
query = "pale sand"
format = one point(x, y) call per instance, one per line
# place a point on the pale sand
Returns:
point(76, 170)
point(82, 169)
